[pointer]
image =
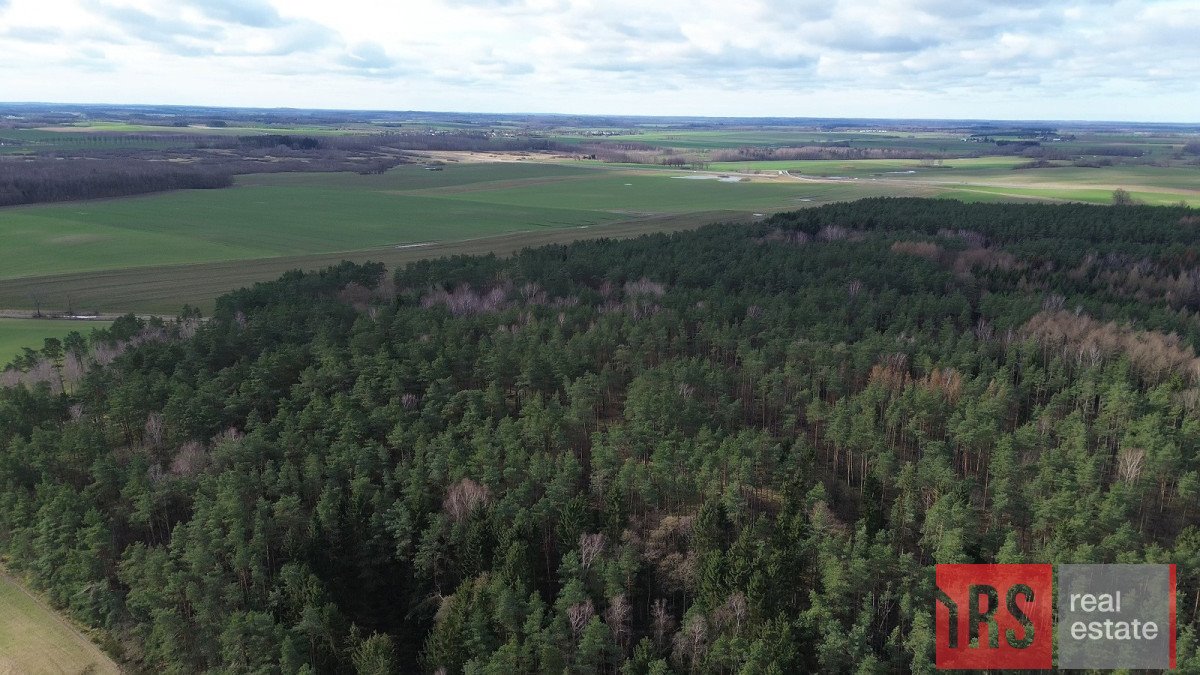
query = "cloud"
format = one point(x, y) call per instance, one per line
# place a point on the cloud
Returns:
point(484, 4)
point(156, 27)
point(369, 58)
point(39, 34)
point(859, 41)
point(301, 37)
point(89, 59)
point(254, 13)
point(217, 28)
point(648, 30)
point(853, 57)
point(297, 37)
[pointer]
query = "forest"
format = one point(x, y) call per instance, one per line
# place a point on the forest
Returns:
point(52, 180)
point(97, 171)
point(739, 449)
point(106, 164)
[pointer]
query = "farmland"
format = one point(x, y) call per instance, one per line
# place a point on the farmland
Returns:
point(287, 217)
point(18, 333)
point(960, 178)
point(35, 640)
point(154, 253)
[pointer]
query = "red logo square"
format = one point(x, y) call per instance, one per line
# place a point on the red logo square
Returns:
point(994, 617)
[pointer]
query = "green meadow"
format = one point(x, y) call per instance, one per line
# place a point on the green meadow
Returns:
point(16, 334)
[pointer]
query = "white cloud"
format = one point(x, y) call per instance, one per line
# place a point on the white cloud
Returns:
point(945, 58)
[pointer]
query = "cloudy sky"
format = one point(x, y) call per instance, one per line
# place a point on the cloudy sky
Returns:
point(1014, 59)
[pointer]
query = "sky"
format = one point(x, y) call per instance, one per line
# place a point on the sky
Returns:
point(1012, 59)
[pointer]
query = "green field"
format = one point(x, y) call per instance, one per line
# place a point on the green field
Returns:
point(154, 253)
point(871, 167)
point(1091, 196)
point(35, 640)
point(267, 216)
point(730, 139)
point(16, 334)
point(289, 215)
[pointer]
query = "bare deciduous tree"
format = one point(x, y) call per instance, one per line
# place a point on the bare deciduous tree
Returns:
point(578, 615)
point(618, 617)
point(738, 609)
point(465, 301)
point(464, 497)
point(1129, 464)
point(590, 547)
point(661, 621)
point(190, 460)
point(691, 643)
point(920, 249)
point(645, 286)
point(154, 430)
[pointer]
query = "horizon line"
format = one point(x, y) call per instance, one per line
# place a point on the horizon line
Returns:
point(599, 114)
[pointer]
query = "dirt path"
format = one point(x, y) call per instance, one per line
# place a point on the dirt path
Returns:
point(98, 318)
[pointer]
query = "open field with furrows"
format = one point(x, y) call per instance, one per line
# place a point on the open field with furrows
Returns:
point(35, 640)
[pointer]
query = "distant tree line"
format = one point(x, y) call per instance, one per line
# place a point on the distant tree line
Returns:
point(56, 180)
point(92, 173)
point(276, 140)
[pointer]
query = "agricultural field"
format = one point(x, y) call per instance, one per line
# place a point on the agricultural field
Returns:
point(1154, 185)
point(69, 254)
point(35, 640)
point(862, 168)
point(156, 252)
point(16, 334)
point(722, 139)
point(266, 217)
